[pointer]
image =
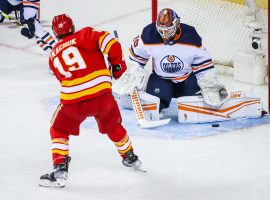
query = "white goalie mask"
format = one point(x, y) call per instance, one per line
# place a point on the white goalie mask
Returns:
point(167, 23)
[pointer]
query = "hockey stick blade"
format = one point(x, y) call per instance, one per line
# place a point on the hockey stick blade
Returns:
point(152, 124)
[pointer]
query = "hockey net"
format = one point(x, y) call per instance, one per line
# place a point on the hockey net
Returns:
point(223, 24)
point(226, 27)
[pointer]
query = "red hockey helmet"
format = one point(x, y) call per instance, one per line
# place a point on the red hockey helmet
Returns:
point(62, 25)
point(167, 23)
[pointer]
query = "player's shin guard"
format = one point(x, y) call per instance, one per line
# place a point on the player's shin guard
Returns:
point(60, 146)
point(146, 106)
point(121, 139)
point(124, 147)
point(61, 160)
point(150, 105)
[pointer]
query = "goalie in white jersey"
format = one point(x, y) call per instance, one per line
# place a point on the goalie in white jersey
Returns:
point(183, 69)
point(26, 12)
point(181, 65)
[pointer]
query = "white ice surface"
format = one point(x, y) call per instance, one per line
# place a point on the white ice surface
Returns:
point(229, 166)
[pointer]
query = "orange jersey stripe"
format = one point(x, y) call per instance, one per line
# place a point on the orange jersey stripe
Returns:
point(181, 78)
point(202, 66)
point(31, 3)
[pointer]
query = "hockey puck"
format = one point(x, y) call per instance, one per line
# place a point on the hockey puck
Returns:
point(215, 125)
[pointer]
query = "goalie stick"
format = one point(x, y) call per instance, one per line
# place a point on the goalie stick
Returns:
point(137, 106)
point(140, 113)
point(19, 24)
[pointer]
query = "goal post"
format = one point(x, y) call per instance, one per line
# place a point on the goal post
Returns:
point(226, 26)
point(268, 68)
point(154, 10)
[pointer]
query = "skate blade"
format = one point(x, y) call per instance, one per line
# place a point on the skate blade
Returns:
point(140, 170)
point(137, 166)
point(60, 183)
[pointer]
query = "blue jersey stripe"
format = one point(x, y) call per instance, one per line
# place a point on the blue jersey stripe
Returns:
point(141, 64)
point(204, 69)
point(28, 6)
point(201, 63)
point(137, 55)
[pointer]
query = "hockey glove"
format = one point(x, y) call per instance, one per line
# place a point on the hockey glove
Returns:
point(117, 70)
point(134, 77)
point(30, 31)
point(214, 93)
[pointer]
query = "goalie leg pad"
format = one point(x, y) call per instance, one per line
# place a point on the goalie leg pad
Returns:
point(150, 106)
point(124, 101)
point(136, 102)
point(192, 109)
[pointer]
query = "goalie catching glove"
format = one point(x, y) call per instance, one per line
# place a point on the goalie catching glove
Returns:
point(117, 70)
point(214, 93)
point(134, 77)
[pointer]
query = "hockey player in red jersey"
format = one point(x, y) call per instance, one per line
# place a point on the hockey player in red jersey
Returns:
point(78, 62)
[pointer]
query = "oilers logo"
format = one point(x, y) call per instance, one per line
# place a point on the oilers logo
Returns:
point(171, 64)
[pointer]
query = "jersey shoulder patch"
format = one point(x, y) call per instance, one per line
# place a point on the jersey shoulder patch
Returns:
point(189, 35)
point(150, 35)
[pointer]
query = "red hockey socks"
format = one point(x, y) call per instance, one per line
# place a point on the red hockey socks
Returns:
point(121, 140)
point(60, 146)
point(124, 146)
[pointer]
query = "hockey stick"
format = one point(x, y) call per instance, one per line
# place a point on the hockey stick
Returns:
point(11, 19)
point(140, 113)
point(19, 24)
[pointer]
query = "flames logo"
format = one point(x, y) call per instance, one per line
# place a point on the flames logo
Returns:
point(171, 64)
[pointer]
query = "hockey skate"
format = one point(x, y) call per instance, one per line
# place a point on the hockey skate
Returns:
point(58, 177)
point(131, 160)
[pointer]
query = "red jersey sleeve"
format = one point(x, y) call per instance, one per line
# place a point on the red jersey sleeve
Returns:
point(111, 47)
